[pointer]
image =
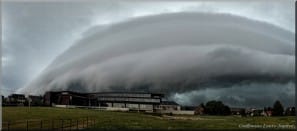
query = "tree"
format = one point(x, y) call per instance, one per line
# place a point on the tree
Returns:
point(202, 105)
point(216, 108)
point(226, 110)
point(278, 109)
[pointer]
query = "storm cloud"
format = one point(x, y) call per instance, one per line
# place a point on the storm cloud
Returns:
point(253, 94)
point(175, 53)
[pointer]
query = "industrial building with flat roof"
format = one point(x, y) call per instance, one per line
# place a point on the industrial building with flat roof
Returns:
point(132, 100)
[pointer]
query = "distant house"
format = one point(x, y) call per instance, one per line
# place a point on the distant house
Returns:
point(290, 111)
point(237, 111)
point(268, 113)
point(255, 112)
point(199, 110)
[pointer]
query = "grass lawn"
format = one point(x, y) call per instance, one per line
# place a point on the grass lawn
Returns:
point(120, 120)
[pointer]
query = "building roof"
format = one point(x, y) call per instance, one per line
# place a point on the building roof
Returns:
point(99, 93)
point(130, 92)
point(169, 103)
point(17, 95)
point(126, 92)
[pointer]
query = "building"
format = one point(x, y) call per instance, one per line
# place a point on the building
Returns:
point(199, 110)
point(188, 108)
point(16, 100)
point(238, 111)
point(290, 111)
point(65, 98)
point(35, 100)
point(169, 105)
point(255, 112)
point(137, 101)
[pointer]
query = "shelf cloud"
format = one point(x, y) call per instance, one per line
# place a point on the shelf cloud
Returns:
point(175, 53)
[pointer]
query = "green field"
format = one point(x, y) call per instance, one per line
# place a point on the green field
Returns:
point(135, 120)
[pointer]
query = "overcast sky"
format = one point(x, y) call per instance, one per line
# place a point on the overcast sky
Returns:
point(35, 33)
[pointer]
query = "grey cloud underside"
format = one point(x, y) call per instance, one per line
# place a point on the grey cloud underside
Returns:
point(173, 53)
point(242, 95)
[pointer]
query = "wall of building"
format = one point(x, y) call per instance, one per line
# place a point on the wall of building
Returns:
point(176, 112)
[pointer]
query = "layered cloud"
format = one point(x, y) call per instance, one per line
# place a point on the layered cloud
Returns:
point(175, 53)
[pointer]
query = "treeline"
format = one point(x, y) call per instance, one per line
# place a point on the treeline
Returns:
point(219, 108)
